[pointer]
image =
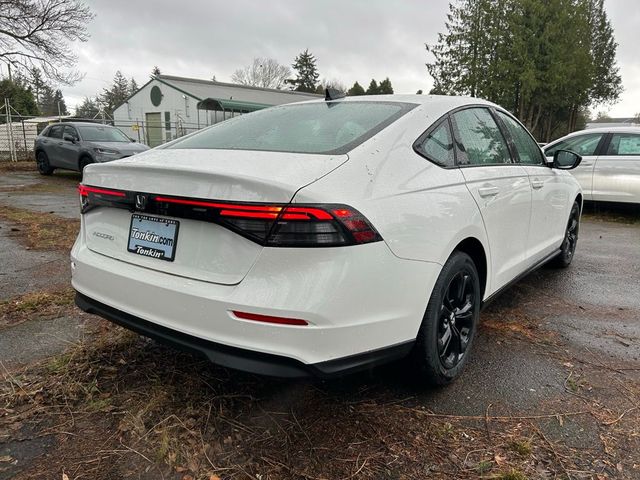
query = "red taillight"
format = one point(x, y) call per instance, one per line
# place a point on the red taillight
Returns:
point(275, 225)
point(84, 191)
point(285, 225)
point(269, 319)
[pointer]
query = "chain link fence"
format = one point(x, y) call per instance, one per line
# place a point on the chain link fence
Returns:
point(17, 137)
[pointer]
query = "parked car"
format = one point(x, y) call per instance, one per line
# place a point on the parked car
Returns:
point(74, 145)
point(610, 169)
point(327, 236)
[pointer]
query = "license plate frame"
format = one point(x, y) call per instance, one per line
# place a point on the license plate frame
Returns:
point(165, 229)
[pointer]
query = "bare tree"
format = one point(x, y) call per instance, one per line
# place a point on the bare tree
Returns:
point(263, 72)
point(37, 33)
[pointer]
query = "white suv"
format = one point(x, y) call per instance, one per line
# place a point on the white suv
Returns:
point(326, 236)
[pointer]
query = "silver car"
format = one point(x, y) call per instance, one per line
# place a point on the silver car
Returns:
point(610, 168)
point(74, 145)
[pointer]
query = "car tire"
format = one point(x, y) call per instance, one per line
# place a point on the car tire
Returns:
point(42, 162)
point(449, 324)
point(568, 247)
point(84, 161)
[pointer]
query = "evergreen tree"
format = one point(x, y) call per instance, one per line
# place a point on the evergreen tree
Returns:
point(155, 71)
point(306, 73)
point(545, 60)
point(87, 109)
point(60, 104)
point(37, 82)
point(47, 102)
point(373, 88)
point(20, 97)
point(133, 86)
point(385, 87)
point(116, 95)
point(419, 92)
point(356, 90)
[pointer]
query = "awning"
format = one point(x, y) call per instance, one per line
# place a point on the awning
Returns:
point(223, 105)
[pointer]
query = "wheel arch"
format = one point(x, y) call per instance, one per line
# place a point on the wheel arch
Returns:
point(82, 156)
point(474, 248)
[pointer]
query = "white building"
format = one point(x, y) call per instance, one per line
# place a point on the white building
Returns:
point(168, 107)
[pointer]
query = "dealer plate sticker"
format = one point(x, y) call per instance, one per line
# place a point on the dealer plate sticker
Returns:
point(153, 237)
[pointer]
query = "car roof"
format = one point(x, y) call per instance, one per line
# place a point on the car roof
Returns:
point(81, 124)
point(603, 130)
point(442, 101)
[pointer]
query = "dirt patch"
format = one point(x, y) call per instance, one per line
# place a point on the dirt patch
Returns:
point(43, 304)
point(122, 404)
point(40, 230)
point(28, 166)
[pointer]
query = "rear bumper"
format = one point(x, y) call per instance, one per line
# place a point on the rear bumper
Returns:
point(356, 300)
point(241, 359)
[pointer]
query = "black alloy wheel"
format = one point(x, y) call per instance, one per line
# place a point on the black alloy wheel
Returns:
point(42, 162)
point(449, 324)
point(570, 242)
point(456, 320)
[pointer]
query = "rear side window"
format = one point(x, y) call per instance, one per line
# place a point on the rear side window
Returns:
point(326, 128)
point(581, 144)
point(437, 146)
point(55, 131)
point(529, 152)
point(624, 144)
point(479, 139)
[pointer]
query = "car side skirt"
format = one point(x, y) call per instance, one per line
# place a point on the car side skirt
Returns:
point(242, 359)
point(529, 270)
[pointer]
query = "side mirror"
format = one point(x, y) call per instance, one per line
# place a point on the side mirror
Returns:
point(69, 138)
point(566, 160)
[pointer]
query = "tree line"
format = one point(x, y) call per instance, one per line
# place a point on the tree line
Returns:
point(31, 94)
point(547, 61)
point(305, 77)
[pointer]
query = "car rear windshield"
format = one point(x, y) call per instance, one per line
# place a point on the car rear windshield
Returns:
point(100, 133)
point(325, 128)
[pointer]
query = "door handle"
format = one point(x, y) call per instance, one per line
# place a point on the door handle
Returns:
point(488, 191)
point(537, 184)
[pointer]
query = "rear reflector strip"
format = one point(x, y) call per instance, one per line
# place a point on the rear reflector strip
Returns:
point(269, 319)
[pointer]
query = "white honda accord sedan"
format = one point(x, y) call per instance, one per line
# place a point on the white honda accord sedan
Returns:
point(327, 236)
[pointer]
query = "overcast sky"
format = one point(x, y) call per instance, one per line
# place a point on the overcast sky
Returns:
point(352, 40)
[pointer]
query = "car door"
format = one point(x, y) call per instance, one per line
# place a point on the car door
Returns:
point(500, 188)
point(69, 151)
point(52, 145)
point(587, 145)
point(550, 193)
point(616, 176)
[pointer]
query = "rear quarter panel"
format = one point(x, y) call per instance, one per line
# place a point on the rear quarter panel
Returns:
point(421, 210)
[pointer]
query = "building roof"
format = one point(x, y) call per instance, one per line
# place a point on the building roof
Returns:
point(214, 95)
point(202, 88)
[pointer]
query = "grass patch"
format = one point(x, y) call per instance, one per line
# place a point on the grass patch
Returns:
point(23, 166)
point(41, 304)
point(513, 474)
point(618, 213)
point(484, 466)
point(521, 447)
point(42, 231)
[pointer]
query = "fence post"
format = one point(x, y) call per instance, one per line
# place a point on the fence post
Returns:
point(24, 136)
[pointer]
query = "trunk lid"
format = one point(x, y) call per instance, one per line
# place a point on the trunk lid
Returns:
point(203, 250)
